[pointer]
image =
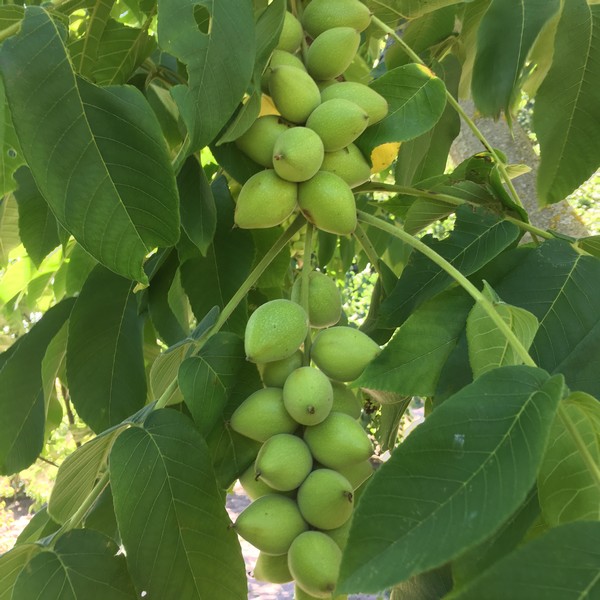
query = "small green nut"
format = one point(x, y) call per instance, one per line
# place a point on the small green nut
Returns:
point(343, 353)
point(324, 299)
point(273, 569)
point(308, 396)
point(291, 34)
point(259, 140)
point(349, 164)
point(255, 488)
point(327, 202)
point(338, 123)
point(332, 52)
point(373, 103)
point(274, 331)
point(321, 15)
point(345, 400)
point(274, 374)
point(265, 200)
point(298, 154)
point(279, 58)
point(294, 93)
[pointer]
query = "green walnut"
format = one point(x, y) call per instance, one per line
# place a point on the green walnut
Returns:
point(338, 441)
point(262, 415)
point(280, 58)
point(373, 103)
point(314, 561)
point(325, 499)
point(332, 52)
point(340, 534)
point(324, 299)
point(265, 200)
point(275, 330)
point(307, 396)
point(271, 524)
point(349, 164)
point(274, 374)
point(255, 488)
point(338, 123)
point(345, 400)
point(321, 15)
point(357, 473)
point(291, 34)
point(273, 569)
point(327, 201)
point(343, 353)
point(258, 142)
point(297, 154)
point(294, 93)
point(283, 462)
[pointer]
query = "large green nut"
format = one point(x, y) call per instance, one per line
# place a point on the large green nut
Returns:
point(274, 331)
point(343, 353)
point(349, 164)
point(294, 93)
point(327, 202)
point(324, 299)
point(291, 34)
point(373, 103)
point(321, 15)
point(308, 396)
point(298, 154)
point(265, 200)
point(259, 140)
point(332, 52)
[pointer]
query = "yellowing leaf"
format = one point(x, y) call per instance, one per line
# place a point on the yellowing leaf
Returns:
point(383, 156)
point(267, 107)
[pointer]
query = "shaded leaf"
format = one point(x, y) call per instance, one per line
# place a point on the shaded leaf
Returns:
point(171, 515)
point(165, 368)
point(514, 27)
point(567, 489)
point(219, 71)
point(37, 225)
point(416, 99)
point(488, 346)
point(409, 9)
point(412, 360)
point(454, 480)
point(109, 137)
point(562, 563)
point(40, 526)
point(9, 227)
point(11, 565)
point(198, 211)
point(565, 117)
point(82, 564)
point(105, 364)
point(11, 157)
point(22, 424)
point(477, 238)
point(207, 378)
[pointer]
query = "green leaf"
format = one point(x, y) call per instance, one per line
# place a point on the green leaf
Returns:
point(412, 360)
point(39, 527)
point(105, 364)
point(78, 474)
point(52, 365)
point(11, 157)
point(11, 565)
point(454, 480)
point(82, 564)
point(409, 9)
point(168, 326)
point(219, 68)
point(427, 155)
point(488, 346)
point(37, 225)
point(513, 27)
point(275, 274)
point(121, 51)
point(171, 515)
point(198, 211)
point(207, 378)
point(9, 227)
point(562, 563)
point(590, 244)
point(84, 52)
point(503, 541)
point(477, 238)
point(567, 489)
point(80, 265)
point(22, 394)
point(416, 99)
point(565, 115)
point(212, 280)
point(103, 161)
point(165, 368)
point(562, 289)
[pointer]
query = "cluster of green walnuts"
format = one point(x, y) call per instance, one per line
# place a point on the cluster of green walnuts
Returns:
point(308, 151)
point(314, 454)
